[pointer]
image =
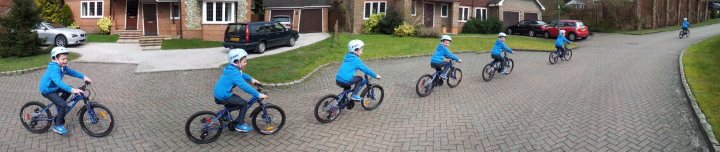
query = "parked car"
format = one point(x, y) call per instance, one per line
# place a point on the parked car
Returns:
point(529, 27)
point(257, 36)
point(58, 35)
point(284, 20)
point(574, 29)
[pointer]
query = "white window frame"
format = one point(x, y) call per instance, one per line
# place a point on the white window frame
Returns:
point(172, 9)
point(233, 12)
point(413, 10)
point(446, 11)
point(462, 14)
point(371, 8)
point(482, 17)
point(87, 9)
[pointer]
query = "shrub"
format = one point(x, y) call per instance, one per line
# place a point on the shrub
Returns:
point(370, 25)
point(388, 23)
point(490, 26)
point(471, 26)
point(74, 25)
point(104, 24)
point(16, 35)
point(66, 16)
point(55, 12)
point(428, 33)
point(405, 29)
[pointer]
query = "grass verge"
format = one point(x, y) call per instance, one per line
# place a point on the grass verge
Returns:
point(702, 70)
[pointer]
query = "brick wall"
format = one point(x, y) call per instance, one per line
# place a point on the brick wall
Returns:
point(87, 24)
point(213, 32)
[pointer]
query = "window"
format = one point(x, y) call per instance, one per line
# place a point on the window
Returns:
point(218, 12)
point(91, 9)
point(414, 5)
point(444, 10)
point(278, 27)
point(374, 8)
point(481, 13)
point(175, 11)
point(464, 14)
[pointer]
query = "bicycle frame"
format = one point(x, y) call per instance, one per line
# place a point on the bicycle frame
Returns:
point(74, 99)
point(436, 75)
point(343, 95)
point(496, 65)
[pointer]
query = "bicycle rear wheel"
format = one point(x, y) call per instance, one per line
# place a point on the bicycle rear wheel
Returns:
point(488, 72)
point(98, 122)
point(454, 77)
point(553, 58)
point(326, 109)
point(33, 119)
point(271, 120)
point(203, 127)
point(424, 85)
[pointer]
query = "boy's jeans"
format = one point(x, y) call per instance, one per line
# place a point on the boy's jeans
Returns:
point(236, 101)
point(357, 80)
point(442, 66)
point(499, 58)
point(59, 98)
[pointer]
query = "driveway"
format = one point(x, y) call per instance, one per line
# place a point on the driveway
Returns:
point(169, 60)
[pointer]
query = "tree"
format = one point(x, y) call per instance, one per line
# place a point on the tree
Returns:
point(17, 37)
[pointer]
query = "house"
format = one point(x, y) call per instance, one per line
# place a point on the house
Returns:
point(308, 16)
point(447, 16)
point(193, 19)
point(577, 4)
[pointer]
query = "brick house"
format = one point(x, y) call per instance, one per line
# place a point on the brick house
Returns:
point(192, 19)
point(447, 16)
point(308, 16)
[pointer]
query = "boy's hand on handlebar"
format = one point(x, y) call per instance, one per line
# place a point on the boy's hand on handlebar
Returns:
point(263, 96)
point(77, 91)
point(87, 80)
point(378, 77)
point(255, 82)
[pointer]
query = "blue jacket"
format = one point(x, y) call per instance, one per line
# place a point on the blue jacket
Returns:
point(561, 41)
point(441, 53)
point(500, 47)
point(53, 78)
point(685, 24)
point(350, 65)
point(233, 76)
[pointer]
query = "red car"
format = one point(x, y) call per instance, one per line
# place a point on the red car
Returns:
point(574, 29)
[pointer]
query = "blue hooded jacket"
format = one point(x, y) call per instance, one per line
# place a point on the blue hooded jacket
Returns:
point(53, 78)
point(560, 41)
point(350, 65)
point(233, 76)
point(500, 47)
point(441, 53)
point(685, 24)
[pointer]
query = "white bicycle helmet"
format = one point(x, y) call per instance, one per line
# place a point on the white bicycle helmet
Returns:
point(502, 34)
point(354, 45)
point(562, 32)
point(445, 37)
point(58, 50)
point(685, 19)
point(236, 54)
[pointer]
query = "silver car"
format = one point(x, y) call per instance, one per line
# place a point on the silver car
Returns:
point(58, 35)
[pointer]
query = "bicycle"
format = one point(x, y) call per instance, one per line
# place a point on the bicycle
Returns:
point(493, 67)
point(684, 33)
point(330, 106)
point(554, 56)
point(428, 82)
point(210, 124)
point(98, 122)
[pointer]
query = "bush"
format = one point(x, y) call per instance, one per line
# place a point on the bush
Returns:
point(104, 24)
point(471, 26)
point(55, 12)
point(388, 23)
point(428, 33)
point(490, 26)
point(66, 16)
point(405, 29)
point(16, 35)
point(370, 25)
point(74, 25)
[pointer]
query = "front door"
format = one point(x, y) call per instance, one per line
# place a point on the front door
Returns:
point(131, 15)
point(429, 15)
point(150, 19)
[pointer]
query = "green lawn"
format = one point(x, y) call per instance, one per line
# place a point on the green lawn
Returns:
point(670, 28)
point(20, 63)
point(100, 38)
point(702, 69)
point(293, 65)
point(189, 44)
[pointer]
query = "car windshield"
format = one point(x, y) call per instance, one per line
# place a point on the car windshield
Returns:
point(541, 23)
point(281, 19)
point(53, 25)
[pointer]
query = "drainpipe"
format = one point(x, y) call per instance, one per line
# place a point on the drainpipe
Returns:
point(181, 19)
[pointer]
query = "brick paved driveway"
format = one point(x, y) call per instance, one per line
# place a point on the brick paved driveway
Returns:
point(613, 96)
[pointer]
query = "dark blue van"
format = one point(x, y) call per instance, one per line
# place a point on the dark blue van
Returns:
point(261, 35)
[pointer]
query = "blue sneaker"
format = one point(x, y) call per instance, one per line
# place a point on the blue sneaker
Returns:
point(60, 129)
point(356, 97)
point(244, 128)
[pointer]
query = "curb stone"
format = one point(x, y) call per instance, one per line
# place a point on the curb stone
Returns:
point(705, 126)
point(23, 71)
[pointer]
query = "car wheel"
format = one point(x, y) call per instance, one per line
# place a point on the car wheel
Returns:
point(60, 40)
point(532, 33)
point(291, 42)
point(509, 32)
point(261, 48)
point(547, 35)
point(572, 37)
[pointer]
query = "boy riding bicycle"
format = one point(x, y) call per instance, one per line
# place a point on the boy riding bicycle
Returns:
point(232, 77)
point(685, 25)
point(560, 43)
point(346, 75)
point(441, 53)
point(497, 51)
point(55, 89)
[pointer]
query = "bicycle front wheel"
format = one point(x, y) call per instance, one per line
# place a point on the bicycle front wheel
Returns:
point(270, 121)
point(33, 119)
point(454, 77)
point(568, 55)
point(98, 121)
point(509, 63)
point(372, 97)
point(203, 127)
